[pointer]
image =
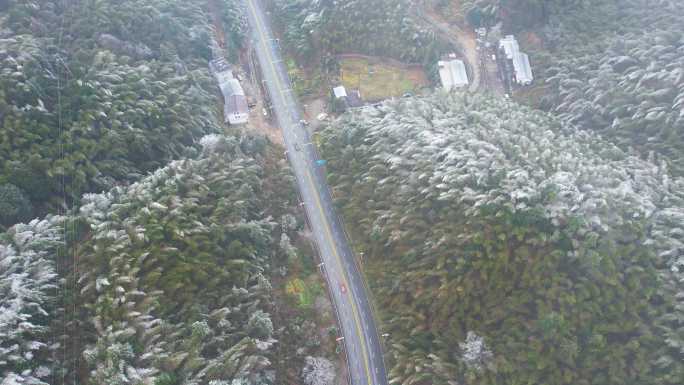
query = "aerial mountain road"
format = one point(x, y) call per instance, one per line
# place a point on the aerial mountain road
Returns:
point(361, 340)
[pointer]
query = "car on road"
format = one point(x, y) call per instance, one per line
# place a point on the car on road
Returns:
point(343, 287)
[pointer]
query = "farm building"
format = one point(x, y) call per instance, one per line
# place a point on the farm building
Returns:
point(339, 92)
point(351, 99)
point(235, 108)
point(452, 74)
point(522, 71)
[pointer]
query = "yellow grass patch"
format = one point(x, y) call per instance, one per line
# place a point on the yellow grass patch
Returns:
point(379, 81)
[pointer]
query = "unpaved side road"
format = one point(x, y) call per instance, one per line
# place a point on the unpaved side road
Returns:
point(465, 40)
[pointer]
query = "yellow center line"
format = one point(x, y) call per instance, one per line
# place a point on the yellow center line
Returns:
point(359, 330)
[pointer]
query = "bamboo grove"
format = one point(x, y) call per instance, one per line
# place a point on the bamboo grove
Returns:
point(505, 247)
point(172, 278)
point(618, 69)
point(96, 93)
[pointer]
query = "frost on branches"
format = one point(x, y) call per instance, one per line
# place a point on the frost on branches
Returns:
point(28, 284)
point(475, 353)
point(482, 212)
point(318, 371)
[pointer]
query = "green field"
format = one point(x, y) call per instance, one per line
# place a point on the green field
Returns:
point(379, 81)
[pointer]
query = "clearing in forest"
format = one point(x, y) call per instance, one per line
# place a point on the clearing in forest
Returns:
point(377, 80)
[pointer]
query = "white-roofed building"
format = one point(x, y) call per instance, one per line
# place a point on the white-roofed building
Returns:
point(340, 92)
point(522, 71)
point(452, 73)
point(510, 46)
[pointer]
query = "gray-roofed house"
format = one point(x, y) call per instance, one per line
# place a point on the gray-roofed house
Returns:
point(235, 108)
point(452, 73)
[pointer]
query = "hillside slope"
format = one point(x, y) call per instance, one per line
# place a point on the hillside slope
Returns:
point(168, 280)
point(98, 93)
point(618, 69)
point(505, 247)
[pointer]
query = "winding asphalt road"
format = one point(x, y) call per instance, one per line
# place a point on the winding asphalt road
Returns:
point(364, 352)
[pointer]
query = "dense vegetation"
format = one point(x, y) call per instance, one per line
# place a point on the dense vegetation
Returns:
point(619, 70)
point(159, 280)
point(172, 277)
point(177, 281)
point(514, 14)
point(28, 283)
point(94, 93)
point(234, 22)
point(313, 28)
point(504, 247)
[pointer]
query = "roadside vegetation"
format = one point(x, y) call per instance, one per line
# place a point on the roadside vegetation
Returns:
point(618, 70)
point(93, 94)
point(176, 237)
point(317, 29)
point(504, 246)
point(314, 33)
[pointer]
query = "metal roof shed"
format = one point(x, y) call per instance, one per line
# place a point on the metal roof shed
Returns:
point(523, 70)
point(510, 46)
point(340, 92)
point(221, 70)
point(452, 74)
point(235, 109)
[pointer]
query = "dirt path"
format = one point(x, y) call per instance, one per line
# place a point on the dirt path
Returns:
point(249, 79)
point(465, 40)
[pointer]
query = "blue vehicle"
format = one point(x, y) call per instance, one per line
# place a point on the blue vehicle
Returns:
point(321, 162)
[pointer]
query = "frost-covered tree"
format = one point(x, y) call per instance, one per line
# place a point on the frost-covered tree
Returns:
point(260, 325)
point(173, 266)
point(617, 70)
point(318, 371)
point(475, 353)
point(28, 288)
point(562, 251)
point(374, 27)
point(125, 91)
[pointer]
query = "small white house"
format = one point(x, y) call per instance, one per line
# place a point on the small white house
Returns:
point(339, 92)
point(452, 73)
point(235, 108)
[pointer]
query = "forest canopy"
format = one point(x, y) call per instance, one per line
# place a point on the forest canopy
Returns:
point(504, 246)
point(168, 279)
point(96, 93)
point(617, 68)
point(313, 28)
